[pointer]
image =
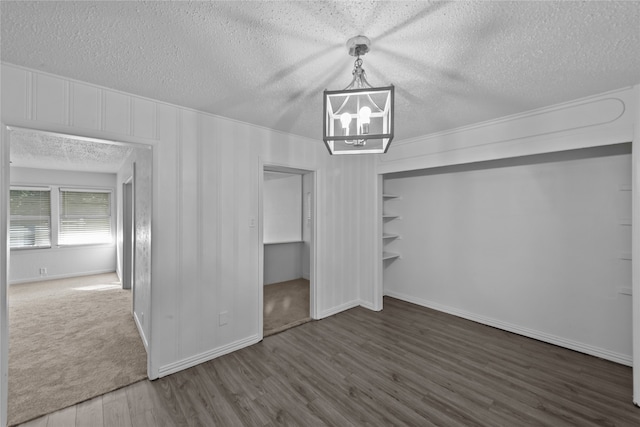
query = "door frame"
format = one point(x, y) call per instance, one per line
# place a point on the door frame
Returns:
point(313, 250)
point(128, 225)
point(4, 269)
point(5, 184)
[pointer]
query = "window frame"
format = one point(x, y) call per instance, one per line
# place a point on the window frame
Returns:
point(111, 216)
point(11, 217)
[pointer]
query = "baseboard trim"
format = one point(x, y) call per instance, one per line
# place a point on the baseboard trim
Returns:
point(338, 309)
point(369, 305)
point(197, 359)
point(59, 276)
point(622, 359)
point(141, 332)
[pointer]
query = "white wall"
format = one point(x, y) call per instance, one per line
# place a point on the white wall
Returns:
point(282, 207)
point(204, 249)
point(63, 261)
point(286, 254)
point(538, 244)
point(282, 262)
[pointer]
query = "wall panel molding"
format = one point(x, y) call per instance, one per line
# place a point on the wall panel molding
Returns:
point(101, 110)
point(179, 230)
point(29, 97)
point(577, 124)
point(67, 103)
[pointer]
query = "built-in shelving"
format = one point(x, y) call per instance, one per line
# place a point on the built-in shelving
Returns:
point(387, 238)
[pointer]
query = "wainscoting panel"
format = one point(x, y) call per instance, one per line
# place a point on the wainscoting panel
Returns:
point(116, 112)
point(85, 106)
point(143, 118)
point(49, 94)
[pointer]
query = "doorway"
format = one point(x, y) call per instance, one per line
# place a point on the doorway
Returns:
point(288, 239)
point(58, 166)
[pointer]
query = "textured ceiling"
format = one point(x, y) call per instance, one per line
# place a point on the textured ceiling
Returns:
point(44, 151)
point(453, 63)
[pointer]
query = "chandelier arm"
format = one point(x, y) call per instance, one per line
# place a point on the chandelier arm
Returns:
point(339, 110)
point(353, 81)
point(380, 110)
point(363, 79)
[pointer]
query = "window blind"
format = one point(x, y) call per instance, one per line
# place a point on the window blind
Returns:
point(85, 217)
point(30, 218)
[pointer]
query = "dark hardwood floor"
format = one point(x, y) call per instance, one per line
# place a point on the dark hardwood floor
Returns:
point(406, 365)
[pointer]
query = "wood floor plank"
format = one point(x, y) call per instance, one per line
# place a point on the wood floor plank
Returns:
point(144, 407)
point(404, 365)
point(63, 418)
point(165, 405)
point(89, 412)
point(115, 409)
point(37, 422)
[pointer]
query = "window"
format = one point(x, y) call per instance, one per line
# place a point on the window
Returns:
point(30, 217)
point(85, 217)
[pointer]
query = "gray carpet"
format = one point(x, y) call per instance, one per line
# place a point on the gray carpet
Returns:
point(70, 340)
point(286, 304)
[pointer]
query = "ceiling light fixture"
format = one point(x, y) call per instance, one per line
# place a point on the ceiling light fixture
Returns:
point(359, 118)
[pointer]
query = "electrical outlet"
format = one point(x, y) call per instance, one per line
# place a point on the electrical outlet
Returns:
point(43, 271)
point(223, 318)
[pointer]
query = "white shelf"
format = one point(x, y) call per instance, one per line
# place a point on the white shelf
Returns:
point(388, 237)
point(389, 255)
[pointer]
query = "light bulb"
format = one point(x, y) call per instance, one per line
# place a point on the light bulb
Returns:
point(365, 115)
point(365, 118)
point(345, 119)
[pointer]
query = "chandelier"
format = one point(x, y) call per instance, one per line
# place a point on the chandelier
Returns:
point(359, 118)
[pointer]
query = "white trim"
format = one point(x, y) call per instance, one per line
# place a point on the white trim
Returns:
point(206, 356)
point(4, 271)
point(60, 276)
point(635, 249)
point(87, 189)
point(141, 332)
point(370, 306)
point(623, 359)
point(596, 120)
point(339, 308)
point(526, 114)
point(28, 187)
